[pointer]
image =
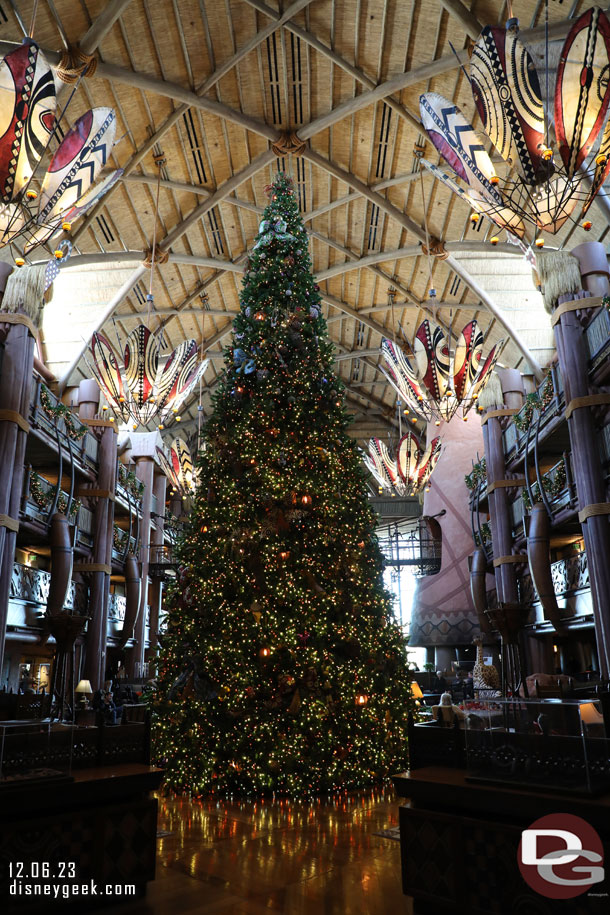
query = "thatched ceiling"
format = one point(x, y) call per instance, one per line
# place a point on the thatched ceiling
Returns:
point(212, 84)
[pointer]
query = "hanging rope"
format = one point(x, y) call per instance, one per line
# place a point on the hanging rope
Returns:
point(33, 19)
point(546, 71)
point(75, 63)
point(425, 248)
point(289, 143)
point(152, 255)
point(435, 248)
point(391, 294)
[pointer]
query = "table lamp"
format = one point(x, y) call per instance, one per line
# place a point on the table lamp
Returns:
point(590, 714)
point(83, 690)
point(416, 691)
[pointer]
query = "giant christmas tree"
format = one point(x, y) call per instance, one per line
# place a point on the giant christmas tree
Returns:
point(282, 667)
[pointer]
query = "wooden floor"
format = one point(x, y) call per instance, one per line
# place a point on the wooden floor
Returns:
point(255, 857)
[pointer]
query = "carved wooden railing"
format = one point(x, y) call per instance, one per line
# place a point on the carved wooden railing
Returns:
point(41, 498)
point(569, 575)
point(32, 586)
point(549, 399)
point(597, 336)
point(83, 445)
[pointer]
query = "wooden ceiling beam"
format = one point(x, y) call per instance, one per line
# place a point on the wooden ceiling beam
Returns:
point(461, 14)
point(100, 27)
point(327, 52)
point(365, 191)
point(419, 232)
point(368, 261)
point(353, 313)
point(253, 43)
point(117, 258)
point(448, 62)
point(225, 189)
point(178, 93)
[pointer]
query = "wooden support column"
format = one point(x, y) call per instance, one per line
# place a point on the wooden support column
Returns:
point(156, 551)
point(15, 393)
point(501, 527)
point(175, 506)
point(103, 521)
point(145, 468)
point(513, 389)
point(588, 473)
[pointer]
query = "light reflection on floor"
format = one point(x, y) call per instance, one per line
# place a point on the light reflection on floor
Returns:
point(259, 856)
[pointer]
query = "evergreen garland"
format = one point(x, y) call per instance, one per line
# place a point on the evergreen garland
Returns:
point(55, 410)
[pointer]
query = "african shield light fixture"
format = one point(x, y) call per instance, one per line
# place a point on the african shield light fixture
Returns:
point(182, 464)
point(410, 471)
point(140, 384)
point(32, 210)
point(551, 179)
point(434, 379)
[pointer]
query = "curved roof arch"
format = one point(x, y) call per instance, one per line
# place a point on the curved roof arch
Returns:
point(213, 86)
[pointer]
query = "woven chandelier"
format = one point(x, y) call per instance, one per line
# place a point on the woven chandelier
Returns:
point(32, 210)
point(434, 379)
point(410, 472)
point(552, 176)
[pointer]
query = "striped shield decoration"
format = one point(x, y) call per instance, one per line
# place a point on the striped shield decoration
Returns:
point(467, 359)
point(408, 456)
point(106, 363)
point(141, 362)
point(433, 360)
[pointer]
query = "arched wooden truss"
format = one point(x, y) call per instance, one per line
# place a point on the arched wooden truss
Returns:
point(226, 91)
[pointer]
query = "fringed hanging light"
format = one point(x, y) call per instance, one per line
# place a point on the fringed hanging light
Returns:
point(410, 472)
point(434, 379)
point(139, 383)
point(33, 210)
point(552, 177)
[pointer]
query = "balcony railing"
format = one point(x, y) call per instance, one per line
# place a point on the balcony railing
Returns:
point(597, 336)
point(546, 402)
point(517, 514)
point(39, 499)
point(128, 487)
point(48, 413)
point(122, 544)
point(569, 575)
point(32, 587)
point(557, 487)
point(116, 607)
